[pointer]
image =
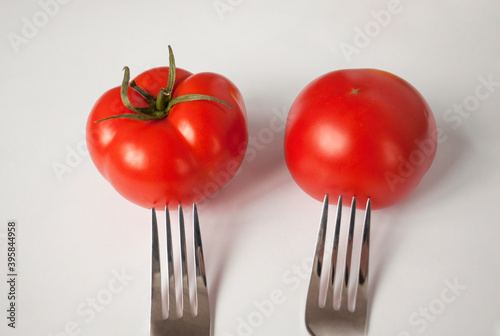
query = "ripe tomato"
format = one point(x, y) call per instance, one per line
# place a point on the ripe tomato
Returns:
point(360, 132)
point(162, 146)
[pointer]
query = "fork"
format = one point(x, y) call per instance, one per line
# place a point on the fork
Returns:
point(188, 314)
point(343, 309)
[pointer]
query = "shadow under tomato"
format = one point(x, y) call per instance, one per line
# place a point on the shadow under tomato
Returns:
point(263, 168)
point(452, 151)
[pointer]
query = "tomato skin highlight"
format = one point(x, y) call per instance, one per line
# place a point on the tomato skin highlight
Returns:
point(360, 132)
point(178, 159)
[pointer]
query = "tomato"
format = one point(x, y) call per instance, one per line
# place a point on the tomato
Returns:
point(360, 132)
point(162, 146)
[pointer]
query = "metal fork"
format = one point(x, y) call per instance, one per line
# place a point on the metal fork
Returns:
point(345, 310)
point(194, 312)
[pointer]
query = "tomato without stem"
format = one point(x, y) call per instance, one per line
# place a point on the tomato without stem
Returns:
point(360, 132)
point(162, 146)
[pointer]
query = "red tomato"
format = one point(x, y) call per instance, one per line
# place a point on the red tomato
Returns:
point(176, 156)
point(360, 132)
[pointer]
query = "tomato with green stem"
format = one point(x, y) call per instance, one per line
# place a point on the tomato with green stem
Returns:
point(168, 137)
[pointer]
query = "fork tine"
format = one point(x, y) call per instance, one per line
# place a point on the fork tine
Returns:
point(201, 303)
point(335, 251)
point(199, 259)
point(156, 279)
point(170, 296)
point(362, 280)
point(344, 289)
point(365, 247)
point(320, 244)
point(352, 219)
point(155, 253)
point(314, 287)
point(185, 306)
point(159, 272)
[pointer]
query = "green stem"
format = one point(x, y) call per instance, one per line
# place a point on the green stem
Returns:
point(163, 100)
point(159, 107)
point(134, 116)
point(149, 97)
point(171, 71)
point(193, 97)
point(125, 98)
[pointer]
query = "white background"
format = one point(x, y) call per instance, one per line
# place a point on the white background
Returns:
point(75, 233)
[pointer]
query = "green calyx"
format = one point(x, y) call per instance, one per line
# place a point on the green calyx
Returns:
point(159, 107)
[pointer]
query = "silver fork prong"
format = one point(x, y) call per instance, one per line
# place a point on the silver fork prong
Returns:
point(344, 297)
point(170, 295)
point(199, 259)
point(156, 278)
point(159, 271)
point(313, 295)
point(320, 252)
point(320, 244)
point(335, 252)
point(365, 247)
point(352, 220)
point(155, 249)
point(185, 297)
point(362, 281)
